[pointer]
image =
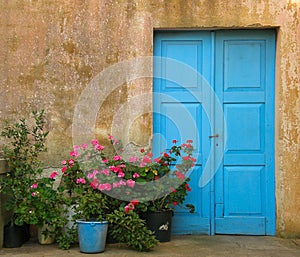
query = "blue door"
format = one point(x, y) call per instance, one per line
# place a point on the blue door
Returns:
point(217, 88)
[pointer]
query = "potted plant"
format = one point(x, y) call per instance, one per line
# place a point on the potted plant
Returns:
point(25, 141)
point(40, 207)
point(170, 172)
point(158, 185)
point(89, 184)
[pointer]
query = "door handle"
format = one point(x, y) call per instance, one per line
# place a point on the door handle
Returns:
point(216, 135)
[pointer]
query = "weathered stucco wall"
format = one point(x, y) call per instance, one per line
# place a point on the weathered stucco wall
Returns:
point(51, 50)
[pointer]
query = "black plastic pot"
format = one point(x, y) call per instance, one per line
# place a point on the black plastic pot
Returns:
point(160, 223)
point(15, 236)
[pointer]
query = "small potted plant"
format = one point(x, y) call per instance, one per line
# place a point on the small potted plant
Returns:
point(168, 174)
point(40, 207)
point(24, 142)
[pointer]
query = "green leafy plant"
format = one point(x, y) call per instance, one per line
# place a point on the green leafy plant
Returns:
point(130, 229)
point(25, 141)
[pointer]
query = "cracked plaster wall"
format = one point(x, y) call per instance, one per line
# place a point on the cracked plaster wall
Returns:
point(50, 50)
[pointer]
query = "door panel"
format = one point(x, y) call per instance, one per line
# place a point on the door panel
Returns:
point(178, 113)
point(244, 185)
point(239, 68)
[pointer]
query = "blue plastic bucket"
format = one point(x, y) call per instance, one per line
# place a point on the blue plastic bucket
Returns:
point(92, 235)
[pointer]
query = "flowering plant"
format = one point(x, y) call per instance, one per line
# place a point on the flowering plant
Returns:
point(166, 178)
point(40, 203)
point(140, 182)
point(93, 183)
point(28, 197)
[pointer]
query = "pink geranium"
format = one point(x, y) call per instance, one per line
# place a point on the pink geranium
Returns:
point(130, 183)
point(99, 147)
point(80, 181)
point(94, 142)
point(117, 158)
point(136, 175)
point(53, 175)
point(34, 185)
point(74, 154)
point(133, 159)
point(84, 146)
point(121, 174)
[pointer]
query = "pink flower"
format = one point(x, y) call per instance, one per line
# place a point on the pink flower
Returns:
point(122, 183)
point(105, 172)
point(94, 184)
point(33, 194)
point(90, 175)
point(80, 181)
point(116, 185)
point(114, 169)
point(104, 160)
point(116, 142)
point(84, 146)
point(74, 153)
point(134, 202)
point(158, 160)
point(34, 185)
point(129, 207)
point(64, 162)
point(130, 183)
point(179, 175)
point(71, 162)
point(94, 142)
point(110, 137)
point(53, 175)
point(76, 148)
point(99, 147)
point(121, 174)
point(146, 159)
point(107, 186)
point(133, 159)
point(63, 169)
point(136, 175)
point(101, 187)
point(117, 158)
point(126, 208)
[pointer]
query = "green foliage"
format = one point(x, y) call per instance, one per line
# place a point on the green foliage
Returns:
point(66, 238)
point(130, 229)
point(25, 141)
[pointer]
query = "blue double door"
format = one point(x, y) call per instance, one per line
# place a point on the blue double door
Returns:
point(217, 89)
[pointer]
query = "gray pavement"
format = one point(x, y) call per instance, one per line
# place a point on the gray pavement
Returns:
point(190, 246)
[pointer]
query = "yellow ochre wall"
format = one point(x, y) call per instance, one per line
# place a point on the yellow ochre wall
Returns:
point(51, 50)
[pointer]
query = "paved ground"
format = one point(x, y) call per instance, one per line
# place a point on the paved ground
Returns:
point(190, 246)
